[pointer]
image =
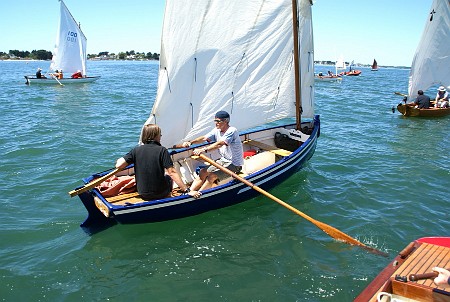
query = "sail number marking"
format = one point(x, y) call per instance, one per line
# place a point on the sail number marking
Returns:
point(71, 36)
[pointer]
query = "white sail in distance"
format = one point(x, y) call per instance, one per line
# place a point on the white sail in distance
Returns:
point(69, 53)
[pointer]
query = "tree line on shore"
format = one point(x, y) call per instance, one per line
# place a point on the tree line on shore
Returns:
point(104, 55)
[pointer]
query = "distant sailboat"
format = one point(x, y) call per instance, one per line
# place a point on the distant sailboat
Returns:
point(431, 60)
point(374, 65)
point(69, 54)
point(340, 64)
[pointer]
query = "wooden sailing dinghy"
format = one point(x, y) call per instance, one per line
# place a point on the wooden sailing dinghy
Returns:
point(252, 72)
point(69, 55)
point(430, 66)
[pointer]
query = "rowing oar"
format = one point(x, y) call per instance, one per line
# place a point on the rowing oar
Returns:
point(331, 231)
point(398, 93)
point(93, 183)
point(57, 80)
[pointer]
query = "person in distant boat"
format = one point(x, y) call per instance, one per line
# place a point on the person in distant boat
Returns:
point(443, 279)
point(39, 74)
point(442, 98)
point(151, 160)
point(422, 101)
point(77, 75)
point(226, 139)
point(330, 73)
point(58, 74)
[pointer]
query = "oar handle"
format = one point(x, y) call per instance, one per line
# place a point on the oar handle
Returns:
point(402, 94)
point(407, 250)
point(93, 183)
point(416, 277)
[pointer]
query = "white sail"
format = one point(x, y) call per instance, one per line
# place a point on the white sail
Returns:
point(431, 61)
point(230, 55)
point(340, 63)
point(70, 48)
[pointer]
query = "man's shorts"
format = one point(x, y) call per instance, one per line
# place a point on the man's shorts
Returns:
point(221, 174)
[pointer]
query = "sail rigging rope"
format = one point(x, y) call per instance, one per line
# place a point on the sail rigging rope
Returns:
point(195, 70)
point(168, 80)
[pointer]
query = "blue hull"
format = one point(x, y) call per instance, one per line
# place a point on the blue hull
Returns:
point(222, 196)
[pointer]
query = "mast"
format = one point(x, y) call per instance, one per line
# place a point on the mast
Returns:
point(297, 78)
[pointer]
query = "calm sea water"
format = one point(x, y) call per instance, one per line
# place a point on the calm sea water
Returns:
point(377, 176)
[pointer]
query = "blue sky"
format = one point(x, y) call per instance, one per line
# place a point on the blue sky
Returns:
point(359, 30)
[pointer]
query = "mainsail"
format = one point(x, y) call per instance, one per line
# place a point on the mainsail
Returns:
point(230, 55)
point(431, 61)
point(340, 63)
point(70, 48)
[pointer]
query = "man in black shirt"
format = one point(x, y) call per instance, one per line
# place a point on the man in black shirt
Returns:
point(39, 74)
point(422, 101)
point(151, 160)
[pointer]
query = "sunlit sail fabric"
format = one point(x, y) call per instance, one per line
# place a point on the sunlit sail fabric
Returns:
point(230, 55)
point(70, 48)
point(431, 61)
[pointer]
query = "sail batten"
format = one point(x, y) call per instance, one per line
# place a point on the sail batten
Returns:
point(431, 61)
point(234, 56)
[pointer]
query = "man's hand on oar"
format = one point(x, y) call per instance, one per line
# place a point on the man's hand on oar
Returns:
point(331, 231)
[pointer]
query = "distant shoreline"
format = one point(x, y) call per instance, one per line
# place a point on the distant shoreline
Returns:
point(94, 59)
point(317, 63)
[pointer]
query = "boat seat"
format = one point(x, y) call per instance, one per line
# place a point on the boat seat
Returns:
point(267, 147)
point(125, 198)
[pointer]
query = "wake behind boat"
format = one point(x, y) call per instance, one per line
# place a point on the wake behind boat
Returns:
point(200, 75)
point(431, 61)
point(69, 55)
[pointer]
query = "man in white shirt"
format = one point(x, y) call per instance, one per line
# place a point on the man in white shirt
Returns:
point(225, 138)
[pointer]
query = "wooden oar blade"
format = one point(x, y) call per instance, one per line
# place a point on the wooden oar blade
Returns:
point(341, 236)
point(336, 234)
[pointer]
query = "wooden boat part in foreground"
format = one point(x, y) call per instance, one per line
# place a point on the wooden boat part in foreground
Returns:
point(267, 168)
point(402, 278)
